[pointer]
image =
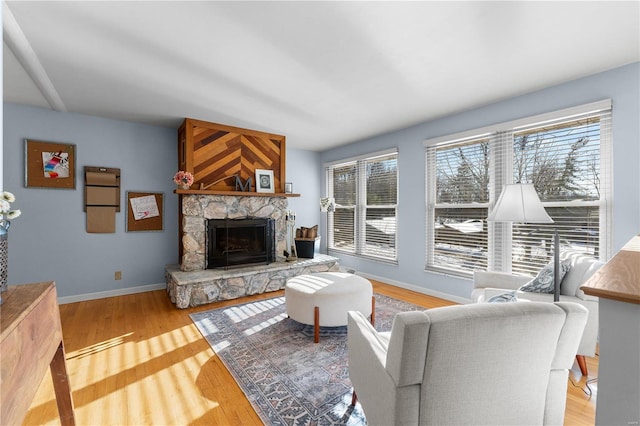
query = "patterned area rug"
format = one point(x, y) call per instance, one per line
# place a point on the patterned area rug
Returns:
point(288, 379)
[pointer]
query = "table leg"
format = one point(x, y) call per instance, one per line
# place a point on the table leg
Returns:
point(373, 311)
point(61, 387)
point(316, 324)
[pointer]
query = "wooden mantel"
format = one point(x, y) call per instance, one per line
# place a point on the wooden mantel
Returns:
point(213, 152)
point(233, 193)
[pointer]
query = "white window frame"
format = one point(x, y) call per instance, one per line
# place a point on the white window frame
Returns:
point(499, 236)
point(360, 208)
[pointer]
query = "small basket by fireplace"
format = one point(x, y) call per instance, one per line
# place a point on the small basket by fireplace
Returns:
point(307, 242)
point(306, 247)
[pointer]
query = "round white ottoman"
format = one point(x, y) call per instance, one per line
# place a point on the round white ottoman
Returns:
point(323, 299)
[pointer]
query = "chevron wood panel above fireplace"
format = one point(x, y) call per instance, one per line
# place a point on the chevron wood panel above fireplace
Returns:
point(214, 151)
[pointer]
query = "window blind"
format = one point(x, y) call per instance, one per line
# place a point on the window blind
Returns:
point(564, 159)
point(342, 223)
point(460, 199)
point(566, 156)
point(366, 194)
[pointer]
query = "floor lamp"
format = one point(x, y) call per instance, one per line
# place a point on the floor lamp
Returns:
point(327, 205)
point(519, 202)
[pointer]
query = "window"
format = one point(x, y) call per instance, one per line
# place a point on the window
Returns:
point(566, 155)
point(460, 200)
point(366, 197)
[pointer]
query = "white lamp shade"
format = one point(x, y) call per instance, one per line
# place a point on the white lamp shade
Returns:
point(519, 202)
point(327, 204)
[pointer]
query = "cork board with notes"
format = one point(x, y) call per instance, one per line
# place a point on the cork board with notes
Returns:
point(145, 211)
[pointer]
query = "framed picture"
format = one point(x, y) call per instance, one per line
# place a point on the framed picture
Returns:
point(49, 165)
point(264, 181)
point(288, 188)
point(145, 211)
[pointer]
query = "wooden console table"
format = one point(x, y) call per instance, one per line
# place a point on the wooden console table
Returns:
point(31, 342)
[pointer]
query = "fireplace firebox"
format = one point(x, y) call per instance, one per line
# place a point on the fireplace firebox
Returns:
point(235, 242)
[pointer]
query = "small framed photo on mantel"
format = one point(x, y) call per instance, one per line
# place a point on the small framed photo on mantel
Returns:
point(264, 181)
point(288, 188)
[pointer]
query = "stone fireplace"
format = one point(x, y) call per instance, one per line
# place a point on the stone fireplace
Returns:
point(192, 284)
point(214, 153)
point(198, 209)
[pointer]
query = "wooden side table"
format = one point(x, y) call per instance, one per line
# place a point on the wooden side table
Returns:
point(31, 342)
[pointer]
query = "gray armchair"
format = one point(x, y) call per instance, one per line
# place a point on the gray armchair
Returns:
point(493, 363)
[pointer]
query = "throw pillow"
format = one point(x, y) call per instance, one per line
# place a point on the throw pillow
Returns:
point(504, 297)
point(543, 282)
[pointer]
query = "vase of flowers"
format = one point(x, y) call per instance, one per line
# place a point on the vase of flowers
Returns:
point(183, 179)
point(6, 214)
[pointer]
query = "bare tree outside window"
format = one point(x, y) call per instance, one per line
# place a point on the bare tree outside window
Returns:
point(364, 222)
point(563, 163)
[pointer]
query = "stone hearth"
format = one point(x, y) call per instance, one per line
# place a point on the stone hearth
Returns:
point(193, 288)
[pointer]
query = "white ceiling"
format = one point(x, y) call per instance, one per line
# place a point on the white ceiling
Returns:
point(321, 73)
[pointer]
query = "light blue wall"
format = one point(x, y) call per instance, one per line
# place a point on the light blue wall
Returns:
point(622, 85)
point(302, 171)
point(49, 241)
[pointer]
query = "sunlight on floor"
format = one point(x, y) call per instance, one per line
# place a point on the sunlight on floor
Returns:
point(271, 321)
point(127, 380)
point(241, 313)
point(98, 347)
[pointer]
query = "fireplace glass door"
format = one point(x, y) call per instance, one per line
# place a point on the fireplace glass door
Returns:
point(234, 242)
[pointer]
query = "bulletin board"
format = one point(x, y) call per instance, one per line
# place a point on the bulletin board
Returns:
point(49, 165)
point(145, 211)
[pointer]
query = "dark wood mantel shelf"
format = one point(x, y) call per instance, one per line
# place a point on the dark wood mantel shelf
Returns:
point(232, 193)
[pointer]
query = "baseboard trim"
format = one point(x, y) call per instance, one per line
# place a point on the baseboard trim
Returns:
point(163, 286)
point(111, 293)
point(417, 289)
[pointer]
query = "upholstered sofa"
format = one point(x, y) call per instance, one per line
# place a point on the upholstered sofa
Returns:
point(485, 363)
point(581, 267)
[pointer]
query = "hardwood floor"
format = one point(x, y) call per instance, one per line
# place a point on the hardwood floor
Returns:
point(137, 360)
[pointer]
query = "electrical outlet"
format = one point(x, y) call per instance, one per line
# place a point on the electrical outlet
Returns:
point(118, 275)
